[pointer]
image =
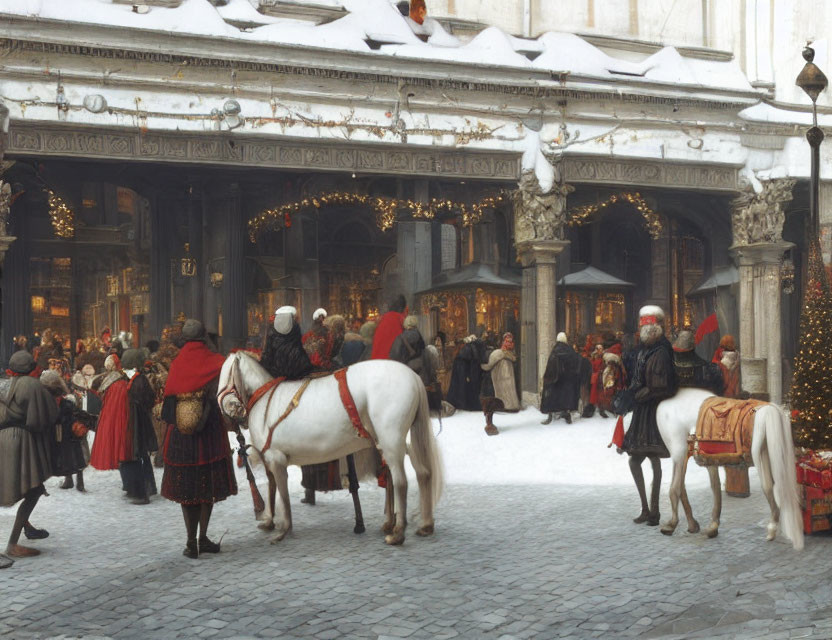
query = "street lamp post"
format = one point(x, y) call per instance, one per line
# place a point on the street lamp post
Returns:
point(812, 80)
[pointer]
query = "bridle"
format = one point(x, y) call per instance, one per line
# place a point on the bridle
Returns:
point(230, 388)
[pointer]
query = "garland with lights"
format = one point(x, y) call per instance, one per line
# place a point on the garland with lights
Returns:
point(63, 218)
point(652, 220)
point(385, 209)
point(811, 402)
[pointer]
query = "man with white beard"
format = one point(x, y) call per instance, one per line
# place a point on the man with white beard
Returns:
point(654, 380)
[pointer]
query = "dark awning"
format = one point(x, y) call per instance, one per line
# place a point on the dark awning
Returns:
point(592, 278)
point(721, 277)
point(475, 275)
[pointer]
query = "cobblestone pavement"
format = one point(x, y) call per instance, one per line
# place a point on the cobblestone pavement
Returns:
point(506, 562)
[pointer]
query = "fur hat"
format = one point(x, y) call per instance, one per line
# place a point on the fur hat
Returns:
point(562, 338)
point(54, 383)
point(650, 314)
point(368, 330)
point(284, 319)
point(410, 322)
point(611, 358)
point(320, 314)
point(684, 342)
point(193, 330)
point(112, 363)
point(727, 343)
point(22, 363)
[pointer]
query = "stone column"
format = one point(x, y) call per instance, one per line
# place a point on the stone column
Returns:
point(542, 257)
point(539, 220)
point(234, 313)
point(760, 340)
point(757, 221)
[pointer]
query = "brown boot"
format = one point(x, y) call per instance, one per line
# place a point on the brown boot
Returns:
point(309, 498)
point(19, 551)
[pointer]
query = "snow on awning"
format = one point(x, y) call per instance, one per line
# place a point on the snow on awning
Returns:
point(592, 278)
point(473, 275)
point(721, 277)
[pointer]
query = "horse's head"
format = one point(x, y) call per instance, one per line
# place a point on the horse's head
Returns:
point(233, 393)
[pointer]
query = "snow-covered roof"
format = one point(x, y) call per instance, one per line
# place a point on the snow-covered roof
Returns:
point(377, 26)
point(592, 278)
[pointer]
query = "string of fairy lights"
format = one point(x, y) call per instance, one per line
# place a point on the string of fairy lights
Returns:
point(61, 215)
point(386, 210)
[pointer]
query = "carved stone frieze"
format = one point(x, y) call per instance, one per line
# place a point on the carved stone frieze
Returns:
point(5, 206)
point(635, 172)
point(29, 139)
point(759, 217)
point(538, 215)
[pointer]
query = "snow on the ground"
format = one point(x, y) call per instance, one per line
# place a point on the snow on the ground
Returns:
point(527, 452)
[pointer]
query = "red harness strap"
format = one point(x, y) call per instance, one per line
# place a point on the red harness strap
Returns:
point(271, 384)
point(349, 403)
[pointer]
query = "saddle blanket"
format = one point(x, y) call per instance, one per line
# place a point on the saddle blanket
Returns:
point(723, 431)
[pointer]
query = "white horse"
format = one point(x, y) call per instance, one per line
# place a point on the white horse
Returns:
point(390, 399)
point(772, 452)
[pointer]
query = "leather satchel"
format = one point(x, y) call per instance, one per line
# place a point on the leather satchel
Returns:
point(191, 412)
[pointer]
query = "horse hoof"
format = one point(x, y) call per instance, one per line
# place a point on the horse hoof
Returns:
point(359, 528)
point(395, 538)
point(712, 533)
point(427, 530)
point(667, 530)
point(694, 528)
point(387, 527)
point(279, 537)
point(266, 526)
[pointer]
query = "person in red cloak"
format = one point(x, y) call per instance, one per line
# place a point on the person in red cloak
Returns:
point(198, 469)
point(389, 328)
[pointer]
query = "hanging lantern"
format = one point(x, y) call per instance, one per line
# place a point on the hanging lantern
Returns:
point(188, 262)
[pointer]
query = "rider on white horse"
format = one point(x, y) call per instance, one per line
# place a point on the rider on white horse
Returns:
point(693, 371)
point(654, 380)
point(284, 355)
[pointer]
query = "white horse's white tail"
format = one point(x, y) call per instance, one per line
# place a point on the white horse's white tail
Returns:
point(424, 450)
point(780, 449)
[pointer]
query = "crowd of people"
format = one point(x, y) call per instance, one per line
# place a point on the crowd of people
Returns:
point(136, 401)
point(588, 378)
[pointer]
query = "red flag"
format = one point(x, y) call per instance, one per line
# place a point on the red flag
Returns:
point(618, 434)
point(709, 325)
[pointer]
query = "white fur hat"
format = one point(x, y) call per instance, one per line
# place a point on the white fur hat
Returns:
point(284, 318)
point(650, 314)
point(562, 338)
point(319, 313)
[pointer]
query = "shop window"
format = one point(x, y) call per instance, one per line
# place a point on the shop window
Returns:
point(448, 243)
point(693, 254)
point(496, 311)
point(51, 292)
point(609, 311)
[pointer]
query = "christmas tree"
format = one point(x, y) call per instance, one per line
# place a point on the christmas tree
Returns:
point(811, 400)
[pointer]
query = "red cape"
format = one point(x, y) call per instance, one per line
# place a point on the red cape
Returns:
point(389, 328)
point(194, 366)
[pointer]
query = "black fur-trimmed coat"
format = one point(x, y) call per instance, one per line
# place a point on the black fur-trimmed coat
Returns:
point(284, 355)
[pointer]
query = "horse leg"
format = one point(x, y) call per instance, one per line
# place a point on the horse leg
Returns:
point(353, 478)
point(423, 475)
point(281, 476)
point(400, 500)
point(693, 525)
point(389, 508)
point(675, 490)
point(267, 523)
point(763, 465)
point(713, 529)
point(655, 489)
point(638, 477)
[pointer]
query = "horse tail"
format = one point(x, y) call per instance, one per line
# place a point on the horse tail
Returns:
point(780, 448)
point(424, 450)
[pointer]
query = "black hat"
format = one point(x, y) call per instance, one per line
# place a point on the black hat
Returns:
point(132, 359)
point(193, 330)
point(22, 363)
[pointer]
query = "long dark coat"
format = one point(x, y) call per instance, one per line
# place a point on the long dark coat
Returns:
point(284, 355)
point(141, 399)
point(654, 371)
point(466, 377)
point(561, 380)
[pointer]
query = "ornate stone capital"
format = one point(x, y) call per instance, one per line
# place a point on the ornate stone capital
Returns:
point(538, 215)
point(748, 255)
point(758, 217)
point(540, 252)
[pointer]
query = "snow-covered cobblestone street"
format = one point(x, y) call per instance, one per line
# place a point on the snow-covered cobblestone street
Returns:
point(534, 539)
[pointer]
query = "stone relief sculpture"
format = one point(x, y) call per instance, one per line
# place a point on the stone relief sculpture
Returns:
point(759, 217)
point(539, 215)
point(5, 206)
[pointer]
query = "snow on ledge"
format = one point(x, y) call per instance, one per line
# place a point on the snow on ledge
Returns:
point(380, 23)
